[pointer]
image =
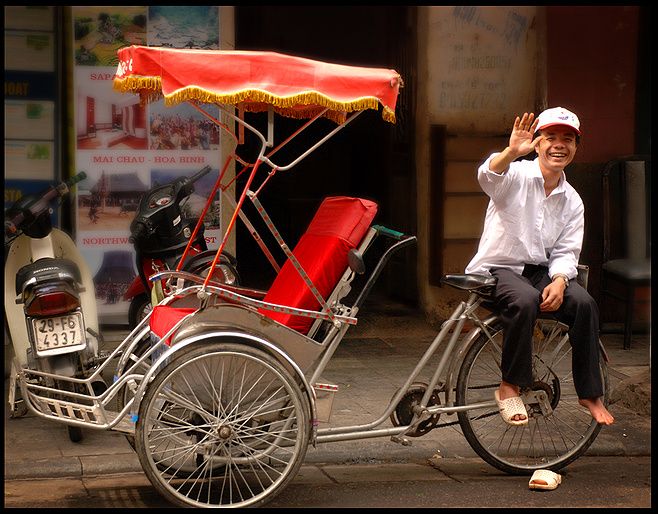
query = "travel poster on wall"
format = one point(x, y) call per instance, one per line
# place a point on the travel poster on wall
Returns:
point(126, 148)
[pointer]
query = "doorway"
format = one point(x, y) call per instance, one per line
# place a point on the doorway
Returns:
point(371, 158)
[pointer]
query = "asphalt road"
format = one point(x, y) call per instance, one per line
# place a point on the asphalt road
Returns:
point(610, 482)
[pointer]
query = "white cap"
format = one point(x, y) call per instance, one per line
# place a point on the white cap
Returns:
point(558, 116)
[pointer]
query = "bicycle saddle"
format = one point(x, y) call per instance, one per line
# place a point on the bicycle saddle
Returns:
point(482, 284)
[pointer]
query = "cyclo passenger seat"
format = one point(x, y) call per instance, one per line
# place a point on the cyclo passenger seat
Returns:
point(339, 225)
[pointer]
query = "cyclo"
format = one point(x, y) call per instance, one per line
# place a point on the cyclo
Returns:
point(220, 387)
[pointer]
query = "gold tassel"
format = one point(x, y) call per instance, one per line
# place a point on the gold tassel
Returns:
point(389, 115)
point(150, 89)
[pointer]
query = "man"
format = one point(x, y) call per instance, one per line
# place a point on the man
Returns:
point(532, 238)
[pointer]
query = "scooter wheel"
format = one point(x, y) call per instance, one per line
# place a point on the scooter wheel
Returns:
point(140, 306)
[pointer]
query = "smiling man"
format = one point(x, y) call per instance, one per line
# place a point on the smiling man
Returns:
point(531, 242)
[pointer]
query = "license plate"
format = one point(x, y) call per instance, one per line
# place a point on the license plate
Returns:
point(58, 332)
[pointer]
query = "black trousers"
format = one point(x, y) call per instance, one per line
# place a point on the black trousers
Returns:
point(518, 298)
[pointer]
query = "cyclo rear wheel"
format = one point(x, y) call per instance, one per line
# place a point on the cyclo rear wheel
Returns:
point(559, 429)
point(222, 425)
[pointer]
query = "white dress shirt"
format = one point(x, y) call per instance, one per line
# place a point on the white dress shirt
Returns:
point(524, 226)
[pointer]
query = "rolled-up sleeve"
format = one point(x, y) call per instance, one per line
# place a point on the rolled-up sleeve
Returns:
point(492, 183)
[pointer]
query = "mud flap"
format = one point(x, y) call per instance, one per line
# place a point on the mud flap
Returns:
point(18, 408)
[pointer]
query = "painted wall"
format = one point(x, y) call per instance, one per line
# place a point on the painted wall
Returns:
point(592, 65)
point(591, 61)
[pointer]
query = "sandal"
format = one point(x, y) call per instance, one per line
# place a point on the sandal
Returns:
point(511, 407)
point(551, 480)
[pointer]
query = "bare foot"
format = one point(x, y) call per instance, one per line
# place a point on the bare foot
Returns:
point(507, 390)
point(598, 410)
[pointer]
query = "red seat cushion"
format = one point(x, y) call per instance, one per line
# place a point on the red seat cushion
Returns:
point(164, 317)
point(339, 225)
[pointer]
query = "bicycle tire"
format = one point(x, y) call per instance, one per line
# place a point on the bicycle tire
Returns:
point(128, 391)
point(250, 436)
point(548, 441)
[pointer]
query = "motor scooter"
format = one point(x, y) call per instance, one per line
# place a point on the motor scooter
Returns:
point(160, 232)
point(50, 302)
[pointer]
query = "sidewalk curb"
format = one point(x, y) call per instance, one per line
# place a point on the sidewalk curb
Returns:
point(83, 466)
point(608, 444)
point(634, 392)
point(460, 469)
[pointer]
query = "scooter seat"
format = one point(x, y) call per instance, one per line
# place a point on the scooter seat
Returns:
point(44, 270)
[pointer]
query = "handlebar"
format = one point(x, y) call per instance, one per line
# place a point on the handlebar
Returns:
point(38, 206)
point(185, 185)
point(153, 216)
point(76, 178)
point(388, 232)
point(202, 172)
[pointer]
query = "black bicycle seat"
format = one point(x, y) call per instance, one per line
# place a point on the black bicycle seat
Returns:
point(483, 285)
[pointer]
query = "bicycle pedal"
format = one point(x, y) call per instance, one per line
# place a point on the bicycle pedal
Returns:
point(400, 439)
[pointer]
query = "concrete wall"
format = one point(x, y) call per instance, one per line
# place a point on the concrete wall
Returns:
point(481, 65)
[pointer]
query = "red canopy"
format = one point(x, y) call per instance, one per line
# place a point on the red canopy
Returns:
point(294, 86)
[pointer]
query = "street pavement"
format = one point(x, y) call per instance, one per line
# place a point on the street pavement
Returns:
point(370, 364)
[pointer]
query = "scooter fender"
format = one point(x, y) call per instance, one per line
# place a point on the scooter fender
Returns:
point(25, 250)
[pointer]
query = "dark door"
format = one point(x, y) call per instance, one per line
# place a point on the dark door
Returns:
point(370, 158)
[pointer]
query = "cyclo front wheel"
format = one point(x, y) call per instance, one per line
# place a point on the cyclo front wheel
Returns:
point(222, 425)
point(559, 429)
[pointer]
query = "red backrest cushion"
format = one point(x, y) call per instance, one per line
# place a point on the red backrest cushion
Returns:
point(339, 225)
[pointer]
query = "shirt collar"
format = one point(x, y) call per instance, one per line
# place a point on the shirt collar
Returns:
point(561, 185)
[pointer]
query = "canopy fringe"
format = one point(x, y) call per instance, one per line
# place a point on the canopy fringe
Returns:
point(300, 105)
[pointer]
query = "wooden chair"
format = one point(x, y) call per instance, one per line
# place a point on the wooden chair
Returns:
point(626, 233)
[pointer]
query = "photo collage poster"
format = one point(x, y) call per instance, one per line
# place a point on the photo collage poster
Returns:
point(126, 148)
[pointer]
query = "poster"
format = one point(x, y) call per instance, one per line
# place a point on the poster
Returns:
point(126, 148)
point(36, 49)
